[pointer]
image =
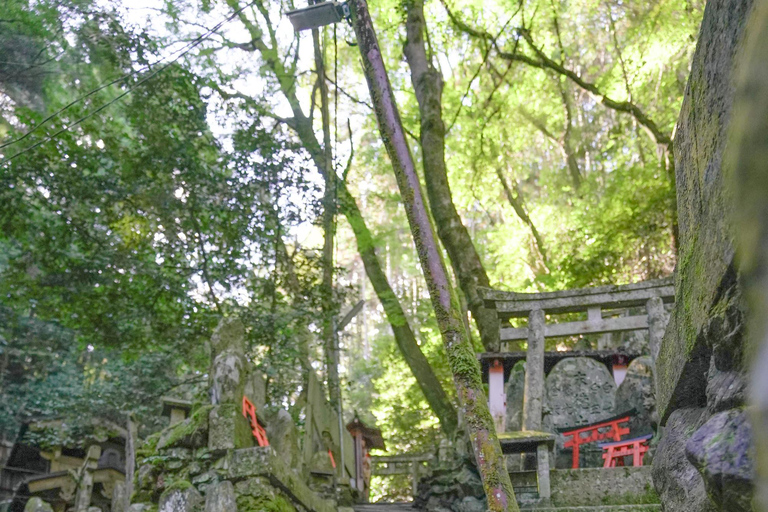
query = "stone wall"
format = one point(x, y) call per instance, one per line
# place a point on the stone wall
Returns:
point(598, 486)
point(703, 459)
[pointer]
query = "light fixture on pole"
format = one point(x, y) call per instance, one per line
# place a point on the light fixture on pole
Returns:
point(318, 15)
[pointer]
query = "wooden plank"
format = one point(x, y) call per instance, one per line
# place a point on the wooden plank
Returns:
point(618, 324)
point(622, 299)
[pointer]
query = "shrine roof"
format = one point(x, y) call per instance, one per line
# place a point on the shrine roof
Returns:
point(524, 441)
point(509, 359)
point(175, 403)
point(372, 436)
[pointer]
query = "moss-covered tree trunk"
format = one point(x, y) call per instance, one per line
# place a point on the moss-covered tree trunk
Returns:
point(406, 341)
point(461, 357)
point(428, 85)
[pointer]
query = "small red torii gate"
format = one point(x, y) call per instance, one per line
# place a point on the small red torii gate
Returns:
point(593, 434)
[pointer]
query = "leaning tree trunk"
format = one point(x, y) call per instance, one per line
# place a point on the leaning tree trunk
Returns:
point(461, 356)
point(406, 341)
point(428, 85)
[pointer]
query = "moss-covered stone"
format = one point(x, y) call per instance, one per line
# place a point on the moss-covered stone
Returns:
point(179, 496)
point(228, 429)
point(257, 494)
point(601, 486)
point(190, 433)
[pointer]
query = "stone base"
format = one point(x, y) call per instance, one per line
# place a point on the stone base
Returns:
point(228, 429)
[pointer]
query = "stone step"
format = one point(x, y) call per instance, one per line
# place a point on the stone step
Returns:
point(597, 508)
point(385, 507)
point(407, 507)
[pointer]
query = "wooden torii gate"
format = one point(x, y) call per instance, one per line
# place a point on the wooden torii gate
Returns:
point(602, 305)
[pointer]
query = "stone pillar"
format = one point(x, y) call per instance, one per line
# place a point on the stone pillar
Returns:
point(542, 471)
point(227, 427)
point(657, 324)
point(534, 372)
point(534, 395)
point(85, 485)
point(595, 314)
point(228, 364)
point(119, 499)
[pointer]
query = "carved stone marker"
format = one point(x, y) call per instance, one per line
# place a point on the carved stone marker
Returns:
point(227, 428)
point(515, 396)
point(228, 370)
point(578, 391)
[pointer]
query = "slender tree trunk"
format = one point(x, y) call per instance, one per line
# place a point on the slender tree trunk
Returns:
point(428, 85)
point(406, 341)
point(329, 229)
point(461, 356)
point(517, 205)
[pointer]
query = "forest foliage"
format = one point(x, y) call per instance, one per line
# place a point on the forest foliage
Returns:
point(154, 176)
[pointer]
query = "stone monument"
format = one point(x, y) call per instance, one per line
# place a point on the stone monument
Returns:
point(579, 390)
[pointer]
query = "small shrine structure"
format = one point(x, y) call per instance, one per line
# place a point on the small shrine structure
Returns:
point(564, 314)
point(605, 308)
point(72, 478)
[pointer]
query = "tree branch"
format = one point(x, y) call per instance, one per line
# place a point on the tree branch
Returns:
point(542, 61)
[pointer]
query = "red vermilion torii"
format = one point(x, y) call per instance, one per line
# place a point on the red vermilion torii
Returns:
point(249, 411)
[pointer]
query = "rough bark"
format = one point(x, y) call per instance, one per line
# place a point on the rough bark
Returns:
point(406, 341)
point(466, 371)
point(428, 85)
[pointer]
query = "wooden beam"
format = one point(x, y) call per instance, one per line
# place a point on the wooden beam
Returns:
point(618, 324)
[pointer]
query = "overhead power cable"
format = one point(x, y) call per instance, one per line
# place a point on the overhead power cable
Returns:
point(194, 43)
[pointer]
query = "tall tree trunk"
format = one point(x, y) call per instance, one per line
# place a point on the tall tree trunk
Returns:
point(329, 229)
point(406, 341)
point(461, 357)
point(428, 85)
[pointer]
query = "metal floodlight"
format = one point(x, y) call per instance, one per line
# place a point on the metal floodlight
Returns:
point(318, 15)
